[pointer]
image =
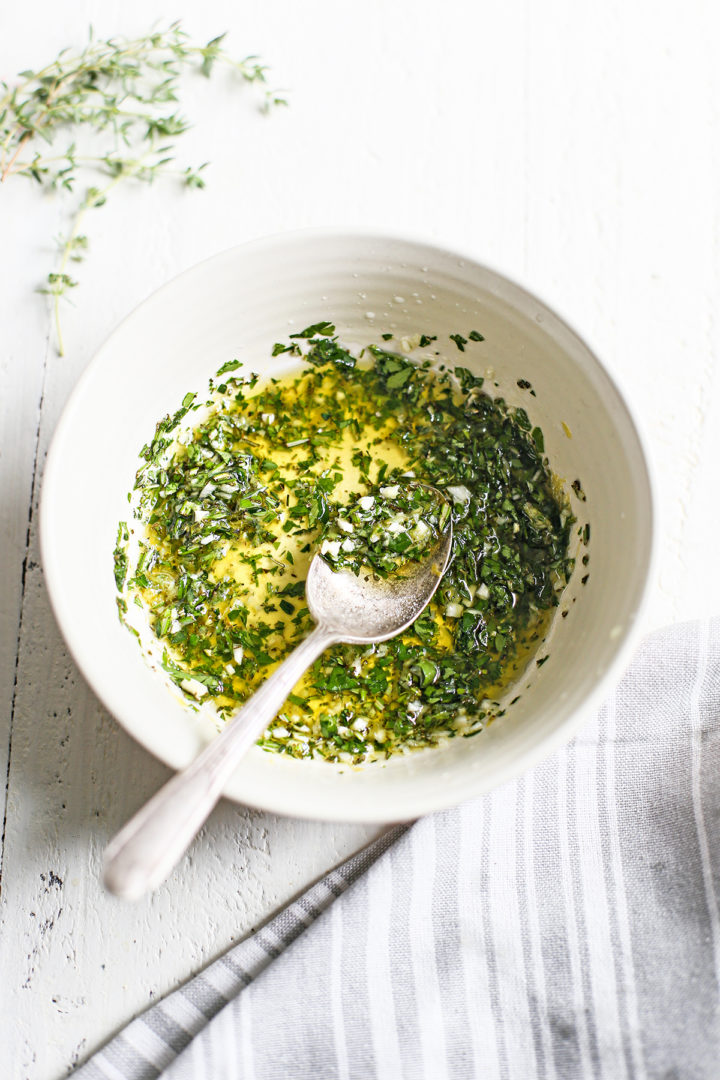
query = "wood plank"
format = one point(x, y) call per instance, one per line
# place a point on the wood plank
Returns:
point(23, 361)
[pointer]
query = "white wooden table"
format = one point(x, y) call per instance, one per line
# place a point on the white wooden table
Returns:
point(576, 146)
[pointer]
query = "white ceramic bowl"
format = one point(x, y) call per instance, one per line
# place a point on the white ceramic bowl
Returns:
point(237, 305)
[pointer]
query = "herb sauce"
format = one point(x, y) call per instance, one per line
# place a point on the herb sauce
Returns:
point(229, 513)
point(383, 531)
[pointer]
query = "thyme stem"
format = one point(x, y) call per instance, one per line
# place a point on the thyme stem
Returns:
point(98, 198)
point(122, 96)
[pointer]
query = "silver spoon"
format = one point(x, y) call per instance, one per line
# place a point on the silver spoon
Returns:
point(357, 610)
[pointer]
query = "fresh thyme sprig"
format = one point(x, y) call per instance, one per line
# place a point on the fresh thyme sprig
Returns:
point(120, 96)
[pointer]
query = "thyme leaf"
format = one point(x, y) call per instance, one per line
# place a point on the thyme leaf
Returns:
point(121, 96)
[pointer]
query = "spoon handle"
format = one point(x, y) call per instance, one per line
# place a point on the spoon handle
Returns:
point(145, 851)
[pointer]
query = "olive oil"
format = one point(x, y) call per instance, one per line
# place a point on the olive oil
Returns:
point(231, 510)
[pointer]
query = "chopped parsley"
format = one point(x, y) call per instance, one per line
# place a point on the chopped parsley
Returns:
point(460, 341)
point(229, 512)
point(386, 529)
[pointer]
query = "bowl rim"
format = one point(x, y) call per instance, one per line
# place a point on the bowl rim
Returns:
point(526, 758)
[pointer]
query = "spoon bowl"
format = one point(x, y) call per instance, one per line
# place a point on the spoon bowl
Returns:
point(360, 608)
point(364, 608)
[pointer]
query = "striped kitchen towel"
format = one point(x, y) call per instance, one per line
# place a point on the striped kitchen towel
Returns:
point(565, 926)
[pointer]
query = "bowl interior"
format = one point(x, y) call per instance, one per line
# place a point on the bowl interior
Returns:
point(237, 305)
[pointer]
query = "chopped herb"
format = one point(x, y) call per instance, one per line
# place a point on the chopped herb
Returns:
point(384, 529)
point(336, 456)
point(279, 348)
point(120, 555)
point(231, 365)
point(399, 378)
point(322, 328)
point(467, 380)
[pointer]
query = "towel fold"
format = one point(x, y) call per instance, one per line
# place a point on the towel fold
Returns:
point(564, 926)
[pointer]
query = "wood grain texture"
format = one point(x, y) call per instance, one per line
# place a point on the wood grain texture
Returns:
point(574, 146)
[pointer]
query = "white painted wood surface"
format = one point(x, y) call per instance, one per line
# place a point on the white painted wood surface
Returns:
point(575, 145)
